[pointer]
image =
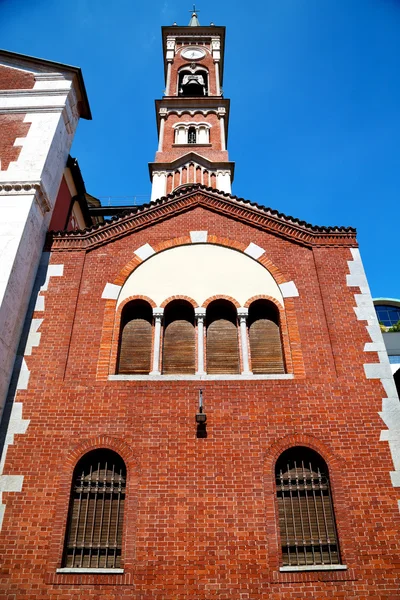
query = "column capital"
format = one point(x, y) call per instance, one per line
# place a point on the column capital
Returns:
point(221, 111)
point(158, 313)
point(200, 313)
point(242, 312)
point(163, 113)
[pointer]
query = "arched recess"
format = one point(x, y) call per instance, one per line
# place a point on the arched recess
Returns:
point(94, 531)
point(305, 509)
point(222, 354)
point(135, 340)
point(265, 338)
point(179, 345)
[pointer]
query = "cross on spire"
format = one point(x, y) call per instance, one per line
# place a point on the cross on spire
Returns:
point(194, 22)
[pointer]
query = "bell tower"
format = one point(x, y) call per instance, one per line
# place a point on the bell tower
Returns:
point(192, 117)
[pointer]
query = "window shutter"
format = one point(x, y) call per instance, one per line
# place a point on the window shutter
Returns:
point(94, 531)
point(222, 347)
point(179, 348)
point(266, 347)
point(135, 347)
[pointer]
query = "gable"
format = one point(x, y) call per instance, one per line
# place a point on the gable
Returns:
point(183, 200)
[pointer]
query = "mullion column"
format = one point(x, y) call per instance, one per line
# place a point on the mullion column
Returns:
point(243, 313)
point(158, 315)
point(200, 314)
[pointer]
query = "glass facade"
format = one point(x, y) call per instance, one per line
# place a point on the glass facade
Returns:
point(394, 359)
point(387, 315)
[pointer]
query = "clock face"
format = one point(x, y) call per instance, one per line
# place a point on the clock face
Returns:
point(193, 53)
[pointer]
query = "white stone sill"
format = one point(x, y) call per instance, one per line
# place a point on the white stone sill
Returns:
point(87, 571)
point(249, 377)
point(295, 569)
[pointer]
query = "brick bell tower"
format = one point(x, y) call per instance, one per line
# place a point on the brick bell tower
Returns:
point(192, 117)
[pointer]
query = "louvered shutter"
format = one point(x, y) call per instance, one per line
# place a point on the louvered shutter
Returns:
point(135, 347)
point(94, 531)
point(179, 348)
point(222, 347)
point(265, 347)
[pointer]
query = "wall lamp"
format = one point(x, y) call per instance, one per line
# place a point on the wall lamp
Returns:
point(201, 418)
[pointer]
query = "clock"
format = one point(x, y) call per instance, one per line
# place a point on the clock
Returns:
point(193, 53)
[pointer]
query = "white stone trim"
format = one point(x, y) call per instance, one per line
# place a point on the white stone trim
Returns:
point(365, 311)
point(254, 251)
point(198, 237)
point(87, 571)
point(299, 569)
point(21, 375)
point(111, 291)
point(289, 289)
point(222, 377)
point(145, 251)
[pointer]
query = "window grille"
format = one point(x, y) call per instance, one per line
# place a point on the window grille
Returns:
point(192, 135)
point(306, 517)
point(94, 529)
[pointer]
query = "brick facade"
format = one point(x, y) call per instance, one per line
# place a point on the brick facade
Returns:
point(201, 515)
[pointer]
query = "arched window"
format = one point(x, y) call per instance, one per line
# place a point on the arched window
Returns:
point(192, 135)
point(193, 82)
point(306, 517)
point(179, 338)
point(222, 338)
point(94, 530)
point(265, 338)
point(135, 338)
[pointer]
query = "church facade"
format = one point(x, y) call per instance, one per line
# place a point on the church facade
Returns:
point(210, 411)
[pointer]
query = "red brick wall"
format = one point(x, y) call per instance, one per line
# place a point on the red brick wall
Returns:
point(11, 127)
point(14, 79)
point(62, 207)
point(207, 62)
point(200, 519)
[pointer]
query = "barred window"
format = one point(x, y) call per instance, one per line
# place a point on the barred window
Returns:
point(94, 529)
point(306, 516)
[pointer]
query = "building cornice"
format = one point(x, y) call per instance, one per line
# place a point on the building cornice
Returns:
point(26, 188)
point(193, 157)
point(184, 199)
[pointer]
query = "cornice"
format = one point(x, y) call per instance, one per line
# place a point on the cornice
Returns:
point(140, 217)
point(22, 188)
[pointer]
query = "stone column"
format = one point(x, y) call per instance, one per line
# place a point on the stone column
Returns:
point(243, 313)
point(221, 115)
point(200, 314)
point(163, 115)
point(168, 83)
point(217, 86)
point(158, 315)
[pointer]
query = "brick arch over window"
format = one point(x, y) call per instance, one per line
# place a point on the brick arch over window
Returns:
point(186, 298)
point(336, 466)
point(290, 332)
point(220, 297)
point(72, 456)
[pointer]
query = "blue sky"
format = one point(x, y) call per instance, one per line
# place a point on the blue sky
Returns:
point(315, 102)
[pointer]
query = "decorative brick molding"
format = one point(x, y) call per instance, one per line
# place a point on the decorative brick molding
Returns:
point(220, 297)
point(266, 219)
point(341, 503)
point(179, 297)
point(71, 458)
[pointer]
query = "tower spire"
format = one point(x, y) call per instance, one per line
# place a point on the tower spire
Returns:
point(194, 22)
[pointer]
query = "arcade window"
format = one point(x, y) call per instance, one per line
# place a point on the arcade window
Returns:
point(94, 530)
point(306, 516)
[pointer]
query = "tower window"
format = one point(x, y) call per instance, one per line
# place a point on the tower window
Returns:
point(192, 135)
point(306, 517)
point(193, 82)
point(94, 531)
